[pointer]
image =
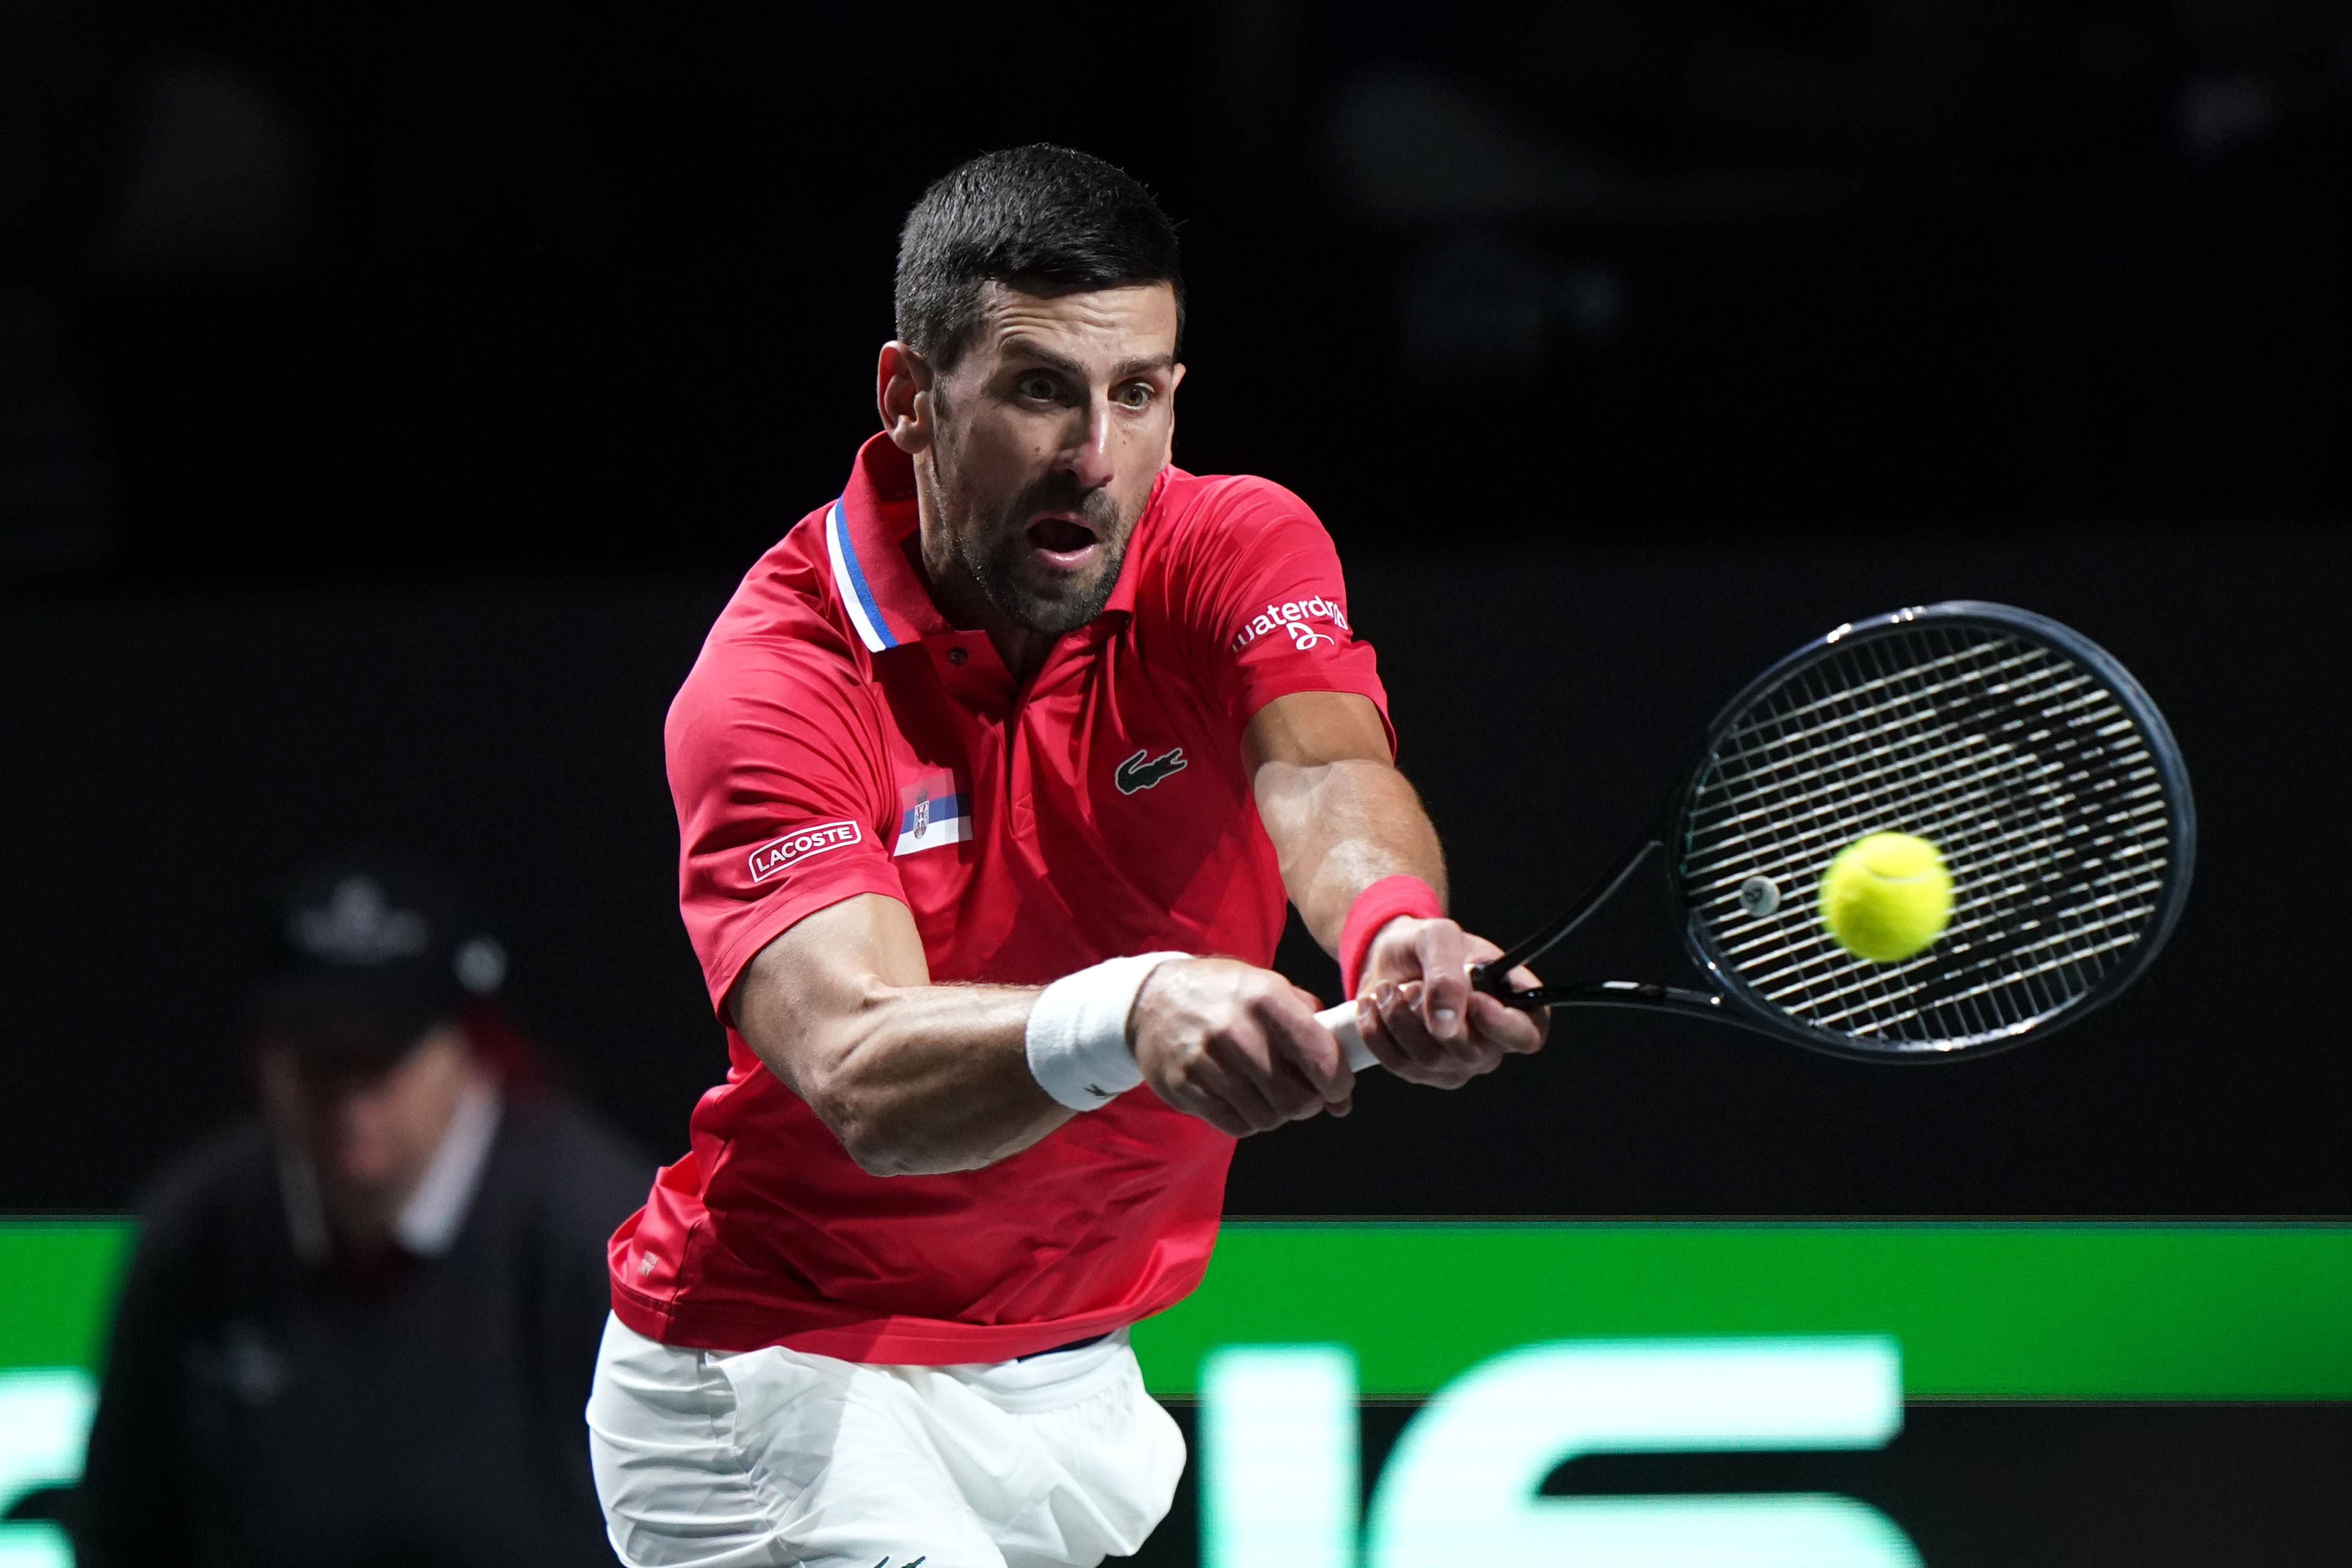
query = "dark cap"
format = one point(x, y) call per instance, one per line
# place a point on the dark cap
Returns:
point(370, 954)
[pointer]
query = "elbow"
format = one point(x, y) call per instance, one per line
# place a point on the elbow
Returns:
point(877, 1152)
point(864, 1117)
point(863, 1131)
point(891, 1156)
point(879, 1141)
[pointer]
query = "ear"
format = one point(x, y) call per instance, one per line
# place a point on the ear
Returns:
point(902, 394)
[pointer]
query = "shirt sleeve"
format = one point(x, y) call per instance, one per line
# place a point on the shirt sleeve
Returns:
point(1258, 590)
point(779, 771)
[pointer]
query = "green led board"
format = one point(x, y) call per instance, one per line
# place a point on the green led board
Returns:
point(2025, 1312)
point(57, 1283)
point(2013, 1311)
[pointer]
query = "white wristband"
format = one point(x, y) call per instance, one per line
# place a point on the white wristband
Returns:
point(1077, 1031)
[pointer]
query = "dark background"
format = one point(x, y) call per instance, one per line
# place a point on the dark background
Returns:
point(390, 395)
point(189, 743)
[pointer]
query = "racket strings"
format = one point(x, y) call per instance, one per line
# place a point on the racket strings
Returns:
point(2017, 762)
point(1856, 1003)
point(1874, 987)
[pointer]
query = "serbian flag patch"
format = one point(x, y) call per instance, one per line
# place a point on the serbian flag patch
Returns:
point(931, 812)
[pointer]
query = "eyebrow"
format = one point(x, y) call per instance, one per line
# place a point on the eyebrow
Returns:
point(1022, 348)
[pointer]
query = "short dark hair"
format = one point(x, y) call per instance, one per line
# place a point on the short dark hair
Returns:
point(1028, 215)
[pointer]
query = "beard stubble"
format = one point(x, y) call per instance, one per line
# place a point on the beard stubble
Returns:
point(993, 556)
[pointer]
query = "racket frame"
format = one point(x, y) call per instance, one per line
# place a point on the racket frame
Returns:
point(1732, 1001)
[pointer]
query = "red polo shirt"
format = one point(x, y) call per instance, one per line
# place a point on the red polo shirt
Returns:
point(838, 737)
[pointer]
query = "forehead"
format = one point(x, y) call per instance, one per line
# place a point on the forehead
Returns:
point(1097, 328)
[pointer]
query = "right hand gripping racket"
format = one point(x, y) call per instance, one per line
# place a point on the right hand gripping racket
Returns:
point(2021, 750)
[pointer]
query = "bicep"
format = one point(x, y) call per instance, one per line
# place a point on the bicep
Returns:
point(781, 782)
point(1310, 728)
point(799, 1000)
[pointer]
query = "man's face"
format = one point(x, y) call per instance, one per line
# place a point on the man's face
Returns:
point(368, 1133)
point(1048, 433)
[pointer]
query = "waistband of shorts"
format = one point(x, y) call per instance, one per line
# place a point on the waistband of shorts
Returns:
point(1073, 1346)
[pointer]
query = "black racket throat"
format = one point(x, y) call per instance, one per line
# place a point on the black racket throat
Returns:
point(1558, 930)
point(1493, 976)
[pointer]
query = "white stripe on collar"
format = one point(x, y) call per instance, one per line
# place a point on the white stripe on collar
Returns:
point(849, 581)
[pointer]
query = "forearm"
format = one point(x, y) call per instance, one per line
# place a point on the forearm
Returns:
point(914, 1078)
point(921, 1079)
point(1343, 818)
point(1340, 827)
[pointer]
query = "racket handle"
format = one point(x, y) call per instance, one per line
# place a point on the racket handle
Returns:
point(1342, 1022)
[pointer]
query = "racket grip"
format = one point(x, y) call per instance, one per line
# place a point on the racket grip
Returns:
point(1342, 1022)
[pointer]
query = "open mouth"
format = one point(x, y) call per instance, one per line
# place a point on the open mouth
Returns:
point(1063, 541)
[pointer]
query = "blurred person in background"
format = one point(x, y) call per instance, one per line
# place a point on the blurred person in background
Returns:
point(359, 1329)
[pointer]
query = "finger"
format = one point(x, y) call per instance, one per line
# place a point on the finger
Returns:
point(1442, 1074)
point(1286, 1084)
point(1266, 1090)
point(1400, 1016)
point(1309, 1048)
point(1246, 1105)
point(1505, 1027)
point(1212, 1109)
point(1428, 1068)
point(1524, 979)
point(1444, 958)
point(1374, 1033)
point(1521, 979)
point(1462, 1048)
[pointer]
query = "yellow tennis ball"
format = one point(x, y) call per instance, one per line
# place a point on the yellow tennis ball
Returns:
point(1886, 897)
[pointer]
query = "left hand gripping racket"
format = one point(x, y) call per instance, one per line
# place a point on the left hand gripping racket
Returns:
point(2022, 750)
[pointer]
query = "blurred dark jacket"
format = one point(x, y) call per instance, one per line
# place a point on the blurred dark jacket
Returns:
point(263, 1408)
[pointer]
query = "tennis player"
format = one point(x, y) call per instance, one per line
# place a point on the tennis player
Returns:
point(991, 781)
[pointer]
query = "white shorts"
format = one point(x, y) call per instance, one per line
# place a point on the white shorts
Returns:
point(776, 1456)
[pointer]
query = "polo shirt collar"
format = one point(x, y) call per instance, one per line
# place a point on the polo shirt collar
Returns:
point(866, 540)
point(867, 537)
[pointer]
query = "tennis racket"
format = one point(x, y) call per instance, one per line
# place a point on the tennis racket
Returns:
point(2018, 747)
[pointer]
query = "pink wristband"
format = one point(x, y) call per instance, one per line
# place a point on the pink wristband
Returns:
point(1377, 905)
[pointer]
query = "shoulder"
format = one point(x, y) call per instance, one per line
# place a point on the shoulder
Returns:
point(779, 646)
point(1223, 542)
point(785, 603)
point(230, 1176)
point(228, 1166)
point(1216, 513)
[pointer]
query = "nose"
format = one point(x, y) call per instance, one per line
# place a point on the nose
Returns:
point(1089, 460)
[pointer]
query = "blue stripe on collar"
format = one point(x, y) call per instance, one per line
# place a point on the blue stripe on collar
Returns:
point(849, 578)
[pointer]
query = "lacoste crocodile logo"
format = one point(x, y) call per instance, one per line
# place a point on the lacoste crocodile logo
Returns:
point(1136, 773)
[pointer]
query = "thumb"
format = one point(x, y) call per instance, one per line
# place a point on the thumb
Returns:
point(1445, 979)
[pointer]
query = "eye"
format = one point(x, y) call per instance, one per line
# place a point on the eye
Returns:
point(1038, 386)
point(1134, 395)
